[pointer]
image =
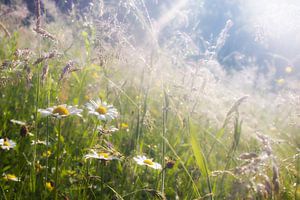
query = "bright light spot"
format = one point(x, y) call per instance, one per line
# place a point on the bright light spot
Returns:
point(273, 22)
point(170, 15)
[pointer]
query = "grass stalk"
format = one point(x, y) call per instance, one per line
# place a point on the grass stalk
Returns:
point(138, 121)
point(200, 158)
point(164, 131)
point(47, 149)
point(47, 130)
point(33, 174)
point(235, 143)
point(3, 193)
point(183, 165)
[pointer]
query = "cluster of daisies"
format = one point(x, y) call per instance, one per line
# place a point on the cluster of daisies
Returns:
point(103, 112)
point(99, 108)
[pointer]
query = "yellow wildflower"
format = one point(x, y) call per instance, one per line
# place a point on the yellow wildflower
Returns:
point(49, 185)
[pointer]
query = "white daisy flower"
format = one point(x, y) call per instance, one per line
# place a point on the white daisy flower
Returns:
point(10, 177)
point(14, 121)
point(101, 155)
point(142, 160)
point(7, 144)
point(102, 110)
point(60, 111)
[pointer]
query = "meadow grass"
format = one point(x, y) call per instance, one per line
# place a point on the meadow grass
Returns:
point(205, 134)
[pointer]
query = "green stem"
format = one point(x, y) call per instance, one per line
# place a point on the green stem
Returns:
point(48, 82)
point(47, 131)
point(183, 165)
point(297, 195)
point(87, 179)
point(230, 156)
point(33, 175)
point(57, 159)
point(165, 114)
point(102, 180)
point(94, 133)
point(3, 193)
point(137, 138)
point(139, 122)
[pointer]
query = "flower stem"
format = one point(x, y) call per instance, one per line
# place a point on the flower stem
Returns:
point(57, 159)
point(102, 179)
point(94, 133)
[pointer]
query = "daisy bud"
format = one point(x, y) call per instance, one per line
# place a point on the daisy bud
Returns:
point(24, 131)
point(170, 164)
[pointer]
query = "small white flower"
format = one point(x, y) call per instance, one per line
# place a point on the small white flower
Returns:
point(60, 111)
point(39, 142)
point(101, 155)
point(142, 160)
point(7, 144)
point(102, 110)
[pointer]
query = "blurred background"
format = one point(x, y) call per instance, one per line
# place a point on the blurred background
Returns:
point(262, 33)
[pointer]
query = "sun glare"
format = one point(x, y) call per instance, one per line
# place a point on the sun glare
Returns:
point(276, 20)
point(169, 15)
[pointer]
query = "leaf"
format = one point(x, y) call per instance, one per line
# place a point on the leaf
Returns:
point(200, 159)
point(220, 133)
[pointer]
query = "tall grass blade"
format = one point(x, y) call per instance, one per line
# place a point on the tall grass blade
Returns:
point(200, 158)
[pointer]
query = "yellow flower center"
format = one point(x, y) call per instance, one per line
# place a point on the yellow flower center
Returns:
point(47, 153)
point(6, 143)
point(148, 162)
point(101, 110)
point(61, 110)
point(49, 186)
point(103, 154)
